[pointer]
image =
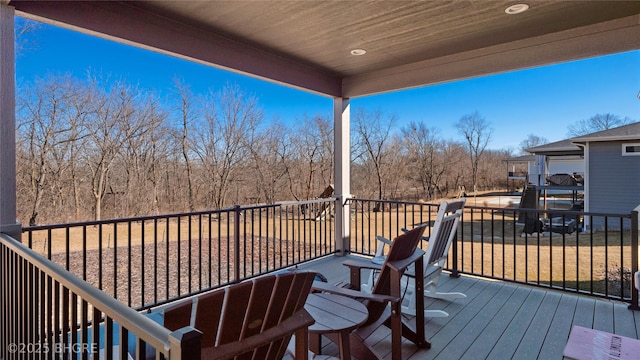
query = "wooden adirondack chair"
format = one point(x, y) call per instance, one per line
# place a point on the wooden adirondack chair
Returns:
point(442, 235)
point(383, 303)
point(254, 319)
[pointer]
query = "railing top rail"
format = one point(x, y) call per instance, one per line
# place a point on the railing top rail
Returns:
point(497, 208)
point(544, 211)
point(288, 203)
point(143, 327)
point(174, 215)
point(352, 199)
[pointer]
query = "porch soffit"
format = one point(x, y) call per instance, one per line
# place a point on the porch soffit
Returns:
point(307, 44)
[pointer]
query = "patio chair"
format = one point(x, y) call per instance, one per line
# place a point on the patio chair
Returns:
point(383, 303)
point(253, 319)
point(442, 234)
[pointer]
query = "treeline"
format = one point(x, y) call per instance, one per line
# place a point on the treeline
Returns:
point(95, 148)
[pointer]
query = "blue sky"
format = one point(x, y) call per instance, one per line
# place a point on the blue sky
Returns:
point(541, 101)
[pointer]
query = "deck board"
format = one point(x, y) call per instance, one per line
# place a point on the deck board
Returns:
point(584, 312)
point(538, 327)
point(560, 328)
point(508, 342)
point(478, 325)
point(603, 316)
point(444, 338)
point(497, 320)
point(623, 327)
point(496, 327)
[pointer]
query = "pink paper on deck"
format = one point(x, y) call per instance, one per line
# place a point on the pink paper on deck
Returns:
point(589, 344)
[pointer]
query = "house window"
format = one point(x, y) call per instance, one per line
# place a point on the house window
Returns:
point(631, 149)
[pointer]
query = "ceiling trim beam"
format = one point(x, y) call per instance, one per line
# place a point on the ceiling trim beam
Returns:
point(600, 39)
point(125, 23)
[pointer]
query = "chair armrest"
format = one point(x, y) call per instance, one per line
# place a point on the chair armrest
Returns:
point(361, 264)
point(384, 240)
point(320, 286)
point(402, 265)
point(300, 320)
point(424, 238)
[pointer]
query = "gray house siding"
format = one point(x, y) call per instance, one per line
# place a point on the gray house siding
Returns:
point(614, 181)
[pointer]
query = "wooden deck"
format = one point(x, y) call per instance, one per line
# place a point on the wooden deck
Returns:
point(499, 320)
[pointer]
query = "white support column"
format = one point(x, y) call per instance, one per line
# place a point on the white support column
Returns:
point(8, 223)
point(342, 172)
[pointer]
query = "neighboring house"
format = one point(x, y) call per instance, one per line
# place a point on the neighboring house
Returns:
point(612, 169)
point(608, 161)
point(560, 157)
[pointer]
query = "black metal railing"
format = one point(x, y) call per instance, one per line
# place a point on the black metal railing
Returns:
point(590, 253)
point(139, 261)
point(148, 261)
point(48, 313)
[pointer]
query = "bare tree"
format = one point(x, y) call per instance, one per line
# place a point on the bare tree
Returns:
point(23, 27)
point(52, 116)
point(230, 118)
point(424, 150)
point(373, 133)
point(309, 159)
point(267, 168)
point(139, 158)
point(116, 121)
point(532, 141)
point(476, 131)
point(597, 123)
point(186, 111)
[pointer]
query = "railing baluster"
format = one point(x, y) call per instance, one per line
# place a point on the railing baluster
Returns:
point(129, 268)
point(236, 244)
point(606, 256)
point(166, 261)
point(85, 328)
point(100, 257)
point(622, 268)
point(155, 260)
point(635, 305)
point(227, 247)
point(200, 235)
point(84, 252)
point(73, 326)
point(210, 259)
point(95, 332)
point(108, 342)
point(142, 269)
point(179, 256)
point(190, 249)
point(115, 261)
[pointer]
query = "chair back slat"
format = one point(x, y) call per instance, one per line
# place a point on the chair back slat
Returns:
point(246, 311)
point(444, 230)
point(234, 310)
point(402, 247)
point(257, 307)
point(178, 315)
point(209, 310)
point(277, 301)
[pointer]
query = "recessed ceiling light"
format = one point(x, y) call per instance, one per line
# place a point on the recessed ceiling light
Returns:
point(358, 52)
point(516, 9)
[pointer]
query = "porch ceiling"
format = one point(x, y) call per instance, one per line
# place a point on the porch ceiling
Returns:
point(307, 44)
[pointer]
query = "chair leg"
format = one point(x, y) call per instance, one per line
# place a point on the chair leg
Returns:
point(431, 289)
point(396, 331)
point(431, 292)
point(445, 296)
point(360, 350)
